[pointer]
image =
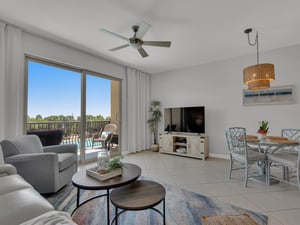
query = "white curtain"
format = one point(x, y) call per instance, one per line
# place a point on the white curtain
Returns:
point(11, 81)
point(138, 134)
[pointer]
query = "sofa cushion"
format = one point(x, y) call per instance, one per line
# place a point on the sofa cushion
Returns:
point(66, 160)
point(22, 205)
point(105, 134)
point(12, 183)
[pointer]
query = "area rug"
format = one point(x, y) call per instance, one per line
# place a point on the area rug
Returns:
point(243, 219)
point(182, 208)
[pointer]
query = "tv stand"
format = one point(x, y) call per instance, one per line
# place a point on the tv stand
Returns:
point(194, 146)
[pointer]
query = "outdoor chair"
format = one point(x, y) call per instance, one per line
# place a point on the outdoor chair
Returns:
point(47, 168)
point(240, 152)
point(105, 136)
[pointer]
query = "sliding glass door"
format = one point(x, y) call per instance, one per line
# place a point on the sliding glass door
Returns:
point(98, 112)
point(73, 101)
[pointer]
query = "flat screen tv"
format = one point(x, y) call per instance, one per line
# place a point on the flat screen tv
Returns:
point(185, 119)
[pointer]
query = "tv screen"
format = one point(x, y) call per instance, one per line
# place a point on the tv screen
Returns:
point(185, 119)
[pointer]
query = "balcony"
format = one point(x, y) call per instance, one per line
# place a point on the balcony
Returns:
point(71, 130)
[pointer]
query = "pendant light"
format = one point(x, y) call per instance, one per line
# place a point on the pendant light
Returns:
point(258, 76)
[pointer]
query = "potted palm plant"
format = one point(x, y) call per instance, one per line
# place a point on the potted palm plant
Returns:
point(153, 122)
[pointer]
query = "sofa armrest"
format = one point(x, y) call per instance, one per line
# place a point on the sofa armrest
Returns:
point(39, 169)
point(69, 148)
point(32, 158)
point(7, 169)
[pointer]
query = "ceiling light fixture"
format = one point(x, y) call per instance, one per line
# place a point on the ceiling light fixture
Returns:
point(258, 76)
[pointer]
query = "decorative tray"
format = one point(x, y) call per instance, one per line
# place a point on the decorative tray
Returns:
point(94, 172)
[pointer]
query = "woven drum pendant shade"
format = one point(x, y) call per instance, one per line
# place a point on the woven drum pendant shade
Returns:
point(259, 76)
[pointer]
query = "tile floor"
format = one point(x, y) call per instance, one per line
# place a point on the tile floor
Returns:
point(281, 202)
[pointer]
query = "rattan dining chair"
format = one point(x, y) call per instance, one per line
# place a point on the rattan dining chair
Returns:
point(240, 152)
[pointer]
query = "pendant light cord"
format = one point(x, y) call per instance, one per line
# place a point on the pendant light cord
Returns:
point(253, 44)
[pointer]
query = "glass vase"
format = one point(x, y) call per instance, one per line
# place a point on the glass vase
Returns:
point(103, 158)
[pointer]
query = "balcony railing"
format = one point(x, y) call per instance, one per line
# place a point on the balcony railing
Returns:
point(71, 129)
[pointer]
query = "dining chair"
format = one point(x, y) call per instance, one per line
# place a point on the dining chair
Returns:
point(240, 152)
point(287, 157)
point(292, 134)
point(288, 160)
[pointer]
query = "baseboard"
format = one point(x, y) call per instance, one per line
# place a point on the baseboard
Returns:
point(219, 155)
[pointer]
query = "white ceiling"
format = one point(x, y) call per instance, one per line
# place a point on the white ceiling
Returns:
point(201, 31)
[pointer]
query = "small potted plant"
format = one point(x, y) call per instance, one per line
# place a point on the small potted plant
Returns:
point(263, 129)
point(115, 164)
point(153, 122)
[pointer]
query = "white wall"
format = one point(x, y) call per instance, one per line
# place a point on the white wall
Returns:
point(218, 86)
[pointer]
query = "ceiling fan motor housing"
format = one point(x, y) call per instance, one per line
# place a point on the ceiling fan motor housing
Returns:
point(135, 42)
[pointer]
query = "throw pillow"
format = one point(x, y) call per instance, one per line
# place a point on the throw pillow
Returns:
point(105, 134)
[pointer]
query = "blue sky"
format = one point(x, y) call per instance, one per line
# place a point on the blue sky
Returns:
point(56, 91)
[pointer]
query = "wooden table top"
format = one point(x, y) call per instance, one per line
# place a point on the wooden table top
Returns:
point(130, 173)
point(139, 195)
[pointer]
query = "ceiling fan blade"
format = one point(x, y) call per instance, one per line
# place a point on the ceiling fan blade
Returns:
point(118, 48)
point(142, 52)
point(114, 34)
point(143, 28)
point(158, 43)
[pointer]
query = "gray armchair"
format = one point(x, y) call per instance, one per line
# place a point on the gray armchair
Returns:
point(47, 169)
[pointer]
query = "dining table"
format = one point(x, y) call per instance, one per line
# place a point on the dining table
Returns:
point(269, 145)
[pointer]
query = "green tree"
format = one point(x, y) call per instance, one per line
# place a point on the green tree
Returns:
point(39, 117)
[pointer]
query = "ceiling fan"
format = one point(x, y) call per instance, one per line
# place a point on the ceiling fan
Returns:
point(136, 41)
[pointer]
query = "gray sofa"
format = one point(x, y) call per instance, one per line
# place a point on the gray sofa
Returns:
point(47, 168)
point(21, 204)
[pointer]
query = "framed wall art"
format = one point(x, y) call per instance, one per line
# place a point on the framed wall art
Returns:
point(270, 96)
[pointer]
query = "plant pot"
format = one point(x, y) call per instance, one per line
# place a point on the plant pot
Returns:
point(261, 136)
point(155, 147)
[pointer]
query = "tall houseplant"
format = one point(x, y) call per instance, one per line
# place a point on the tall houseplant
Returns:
point(153, 121)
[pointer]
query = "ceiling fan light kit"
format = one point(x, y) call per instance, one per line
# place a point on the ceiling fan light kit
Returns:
point(136, 41)
point(258, 76)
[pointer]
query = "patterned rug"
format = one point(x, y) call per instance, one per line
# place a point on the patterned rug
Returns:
point(182, 208)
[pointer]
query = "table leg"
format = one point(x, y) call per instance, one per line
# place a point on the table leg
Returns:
point(78, 196)
point(108, 211)
point(164, 211)
point(116, 216)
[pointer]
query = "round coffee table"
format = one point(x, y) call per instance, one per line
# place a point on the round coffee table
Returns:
point(139, 195)
point(82, 181)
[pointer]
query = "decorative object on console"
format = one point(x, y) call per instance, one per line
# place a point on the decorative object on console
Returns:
point(153, 122)
point(258, 76)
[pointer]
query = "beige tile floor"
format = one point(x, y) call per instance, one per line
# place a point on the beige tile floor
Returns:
point(281, 202)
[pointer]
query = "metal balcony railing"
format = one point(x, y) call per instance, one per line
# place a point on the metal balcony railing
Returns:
point(71, 129)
